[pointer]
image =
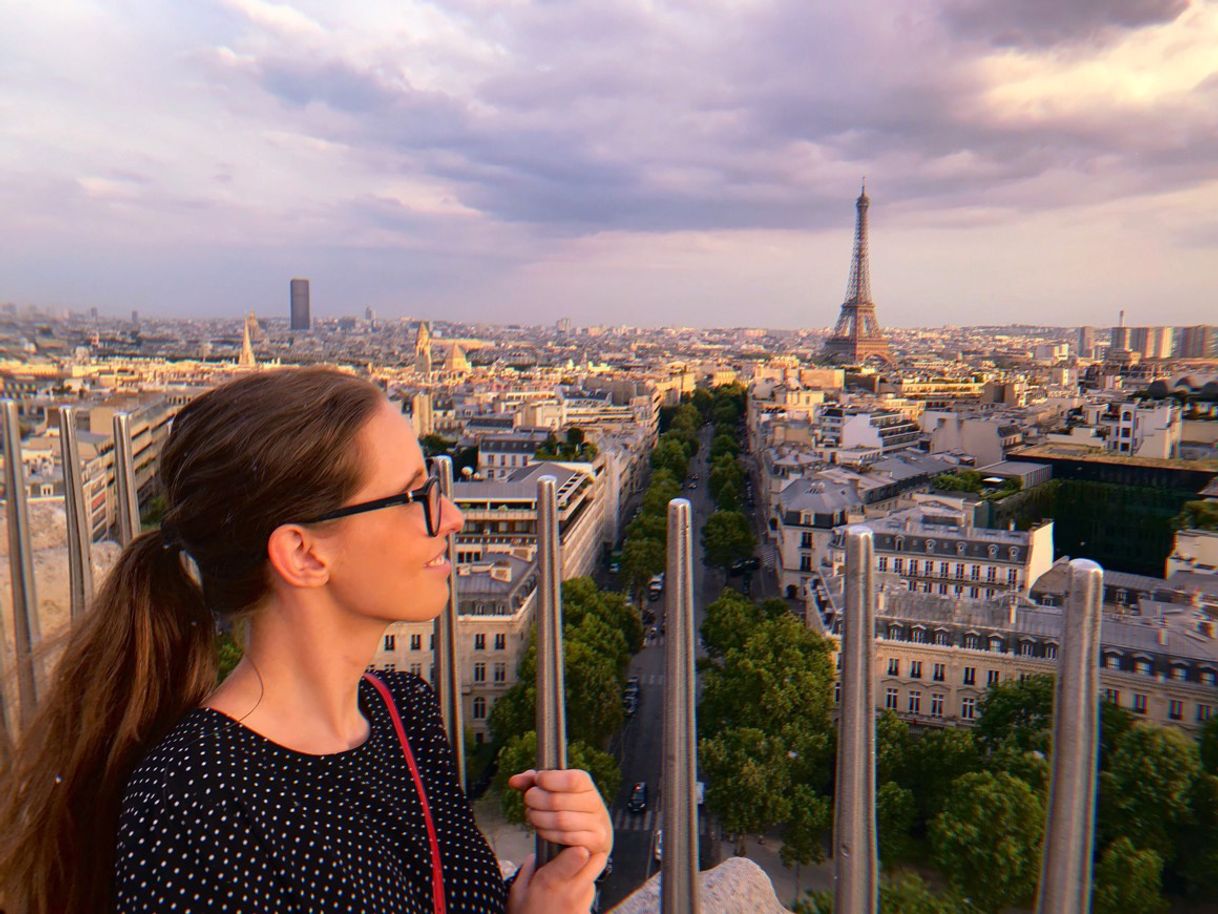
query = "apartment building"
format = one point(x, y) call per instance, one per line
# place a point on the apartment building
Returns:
point(936, 656)
point(935, 547)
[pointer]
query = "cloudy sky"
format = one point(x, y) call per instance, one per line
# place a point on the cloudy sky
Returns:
point(613, 161)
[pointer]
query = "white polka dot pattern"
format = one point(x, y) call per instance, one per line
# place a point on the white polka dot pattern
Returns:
point(220, 818)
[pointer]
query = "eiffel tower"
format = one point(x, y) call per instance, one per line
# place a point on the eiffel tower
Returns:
point(857, 336)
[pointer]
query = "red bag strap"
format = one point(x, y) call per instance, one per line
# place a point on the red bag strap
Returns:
point(437, 871)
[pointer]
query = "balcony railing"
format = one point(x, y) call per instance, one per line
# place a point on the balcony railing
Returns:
point(1065, 883)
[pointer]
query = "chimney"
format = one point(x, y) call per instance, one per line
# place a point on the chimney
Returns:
point(1012, 609)
point(1161, 634)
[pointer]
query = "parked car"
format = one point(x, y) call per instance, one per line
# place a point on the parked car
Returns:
point(638, 798)
point(659, 848)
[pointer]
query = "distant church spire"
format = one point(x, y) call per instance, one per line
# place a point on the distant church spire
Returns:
point(857, 336)
point(247, 359)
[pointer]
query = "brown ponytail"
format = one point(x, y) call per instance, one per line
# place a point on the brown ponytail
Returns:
point(241, 460)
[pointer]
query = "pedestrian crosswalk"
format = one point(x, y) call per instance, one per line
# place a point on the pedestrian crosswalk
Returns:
point(651, 819)
point(651, 679)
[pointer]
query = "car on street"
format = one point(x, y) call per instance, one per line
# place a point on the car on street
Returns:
point(633, 684)
point(659, 848)
point(638, 798)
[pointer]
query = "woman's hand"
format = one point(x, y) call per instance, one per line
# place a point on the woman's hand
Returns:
point(565, 807)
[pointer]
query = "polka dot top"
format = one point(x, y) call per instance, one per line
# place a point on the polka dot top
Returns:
point(218, 818)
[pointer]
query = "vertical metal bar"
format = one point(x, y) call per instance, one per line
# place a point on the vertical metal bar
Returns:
point(80, 567)
point(855, 852)
point(26, 633)
point(124, 480)
point(551, 704)
point(444, 657)
point(679, 891)
point(1065, 865)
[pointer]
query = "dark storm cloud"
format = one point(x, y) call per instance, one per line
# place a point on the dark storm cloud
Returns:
point(1044, 23)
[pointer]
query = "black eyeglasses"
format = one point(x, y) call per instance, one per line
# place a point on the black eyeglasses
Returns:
point(428, 494)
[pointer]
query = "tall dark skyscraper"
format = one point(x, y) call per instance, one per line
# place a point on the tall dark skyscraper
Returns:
point(300, 304)
point(857, 336)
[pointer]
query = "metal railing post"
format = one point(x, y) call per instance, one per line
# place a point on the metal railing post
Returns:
point(79, 538)
point(444, 657)
point(26, 634)
point(551, 703)
point(124, 480)
point(855, 852)
point(1065, 865)
point(679, 890)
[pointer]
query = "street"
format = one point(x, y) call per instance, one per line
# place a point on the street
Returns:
point(639, 747)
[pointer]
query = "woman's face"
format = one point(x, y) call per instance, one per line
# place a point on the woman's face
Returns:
point(385, 564)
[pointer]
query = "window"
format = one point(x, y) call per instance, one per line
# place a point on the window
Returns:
point(995, 644)
point(1051, 651)
point(416, 642)
point(944, 569)
point(391, 642)
point(974, 573)
point(968, 708)
point(991, 677)
point(1209, 677)
point(961, 547)
point(883, 563)
point(915, 669)
point(501, 642)
point(479, 672)
point(940, 673)
point(890, 699)
point(900, 544)
point(479, 708)
point(913, 566)
point(943, 638)
point(974, 592)
point(894, 633)
point(991, 574)
point(936, 705)
point(480, 642)
point(898, 565)
point(992, 552)
point(930, 545)
point(1179, 673)
point(1176, 710)
point(1112, 662)
point(1027, 649)
point(1139, 703)
point(915, 702)
point(970, 675)
point(919, 635)
point(1012, 577)
point(1143, 666)
point(972, 642)
point(805, 562)
point(959, 572)
point(943, 589)
point(894, 666)
point(416, 669)
point(500, 672)
point(1112, 696)
point(805, 540)
point(1203, 713)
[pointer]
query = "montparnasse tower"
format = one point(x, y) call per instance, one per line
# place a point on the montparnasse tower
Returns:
point(857, 336)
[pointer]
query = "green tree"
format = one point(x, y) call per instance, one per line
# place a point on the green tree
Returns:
point(987, 840)
point(724, 445)
point(434, 444)
point(728, 622)
point(1197, 515)
point(893, 744)
point(726, 538)
point(1019, 713)
point(895, 812)
point(642, 559)
point(1126, 880)
point(669, 454)
point(934, 761)
point(1145, 793)
point(520, 754)
point(749, 788)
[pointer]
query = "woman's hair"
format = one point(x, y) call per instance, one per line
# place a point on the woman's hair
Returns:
point(240, 460)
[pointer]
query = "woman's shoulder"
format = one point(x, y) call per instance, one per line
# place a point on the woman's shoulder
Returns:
point(407, 689)
point(195, 757)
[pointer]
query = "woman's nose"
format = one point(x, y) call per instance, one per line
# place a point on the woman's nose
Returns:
point(454, 520)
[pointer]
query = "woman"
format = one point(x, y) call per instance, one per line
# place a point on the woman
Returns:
point(140, 787)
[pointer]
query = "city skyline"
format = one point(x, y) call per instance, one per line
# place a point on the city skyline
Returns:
point(1048, 164)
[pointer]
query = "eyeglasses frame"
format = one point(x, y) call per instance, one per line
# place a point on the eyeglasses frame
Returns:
point(421, 494)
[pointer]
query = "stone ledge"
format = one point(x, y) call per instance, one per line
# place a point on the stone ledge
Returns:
point(736, 886)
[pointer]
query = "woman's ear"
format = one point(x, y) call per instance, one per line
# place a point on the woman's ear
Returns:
point(298, 556)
